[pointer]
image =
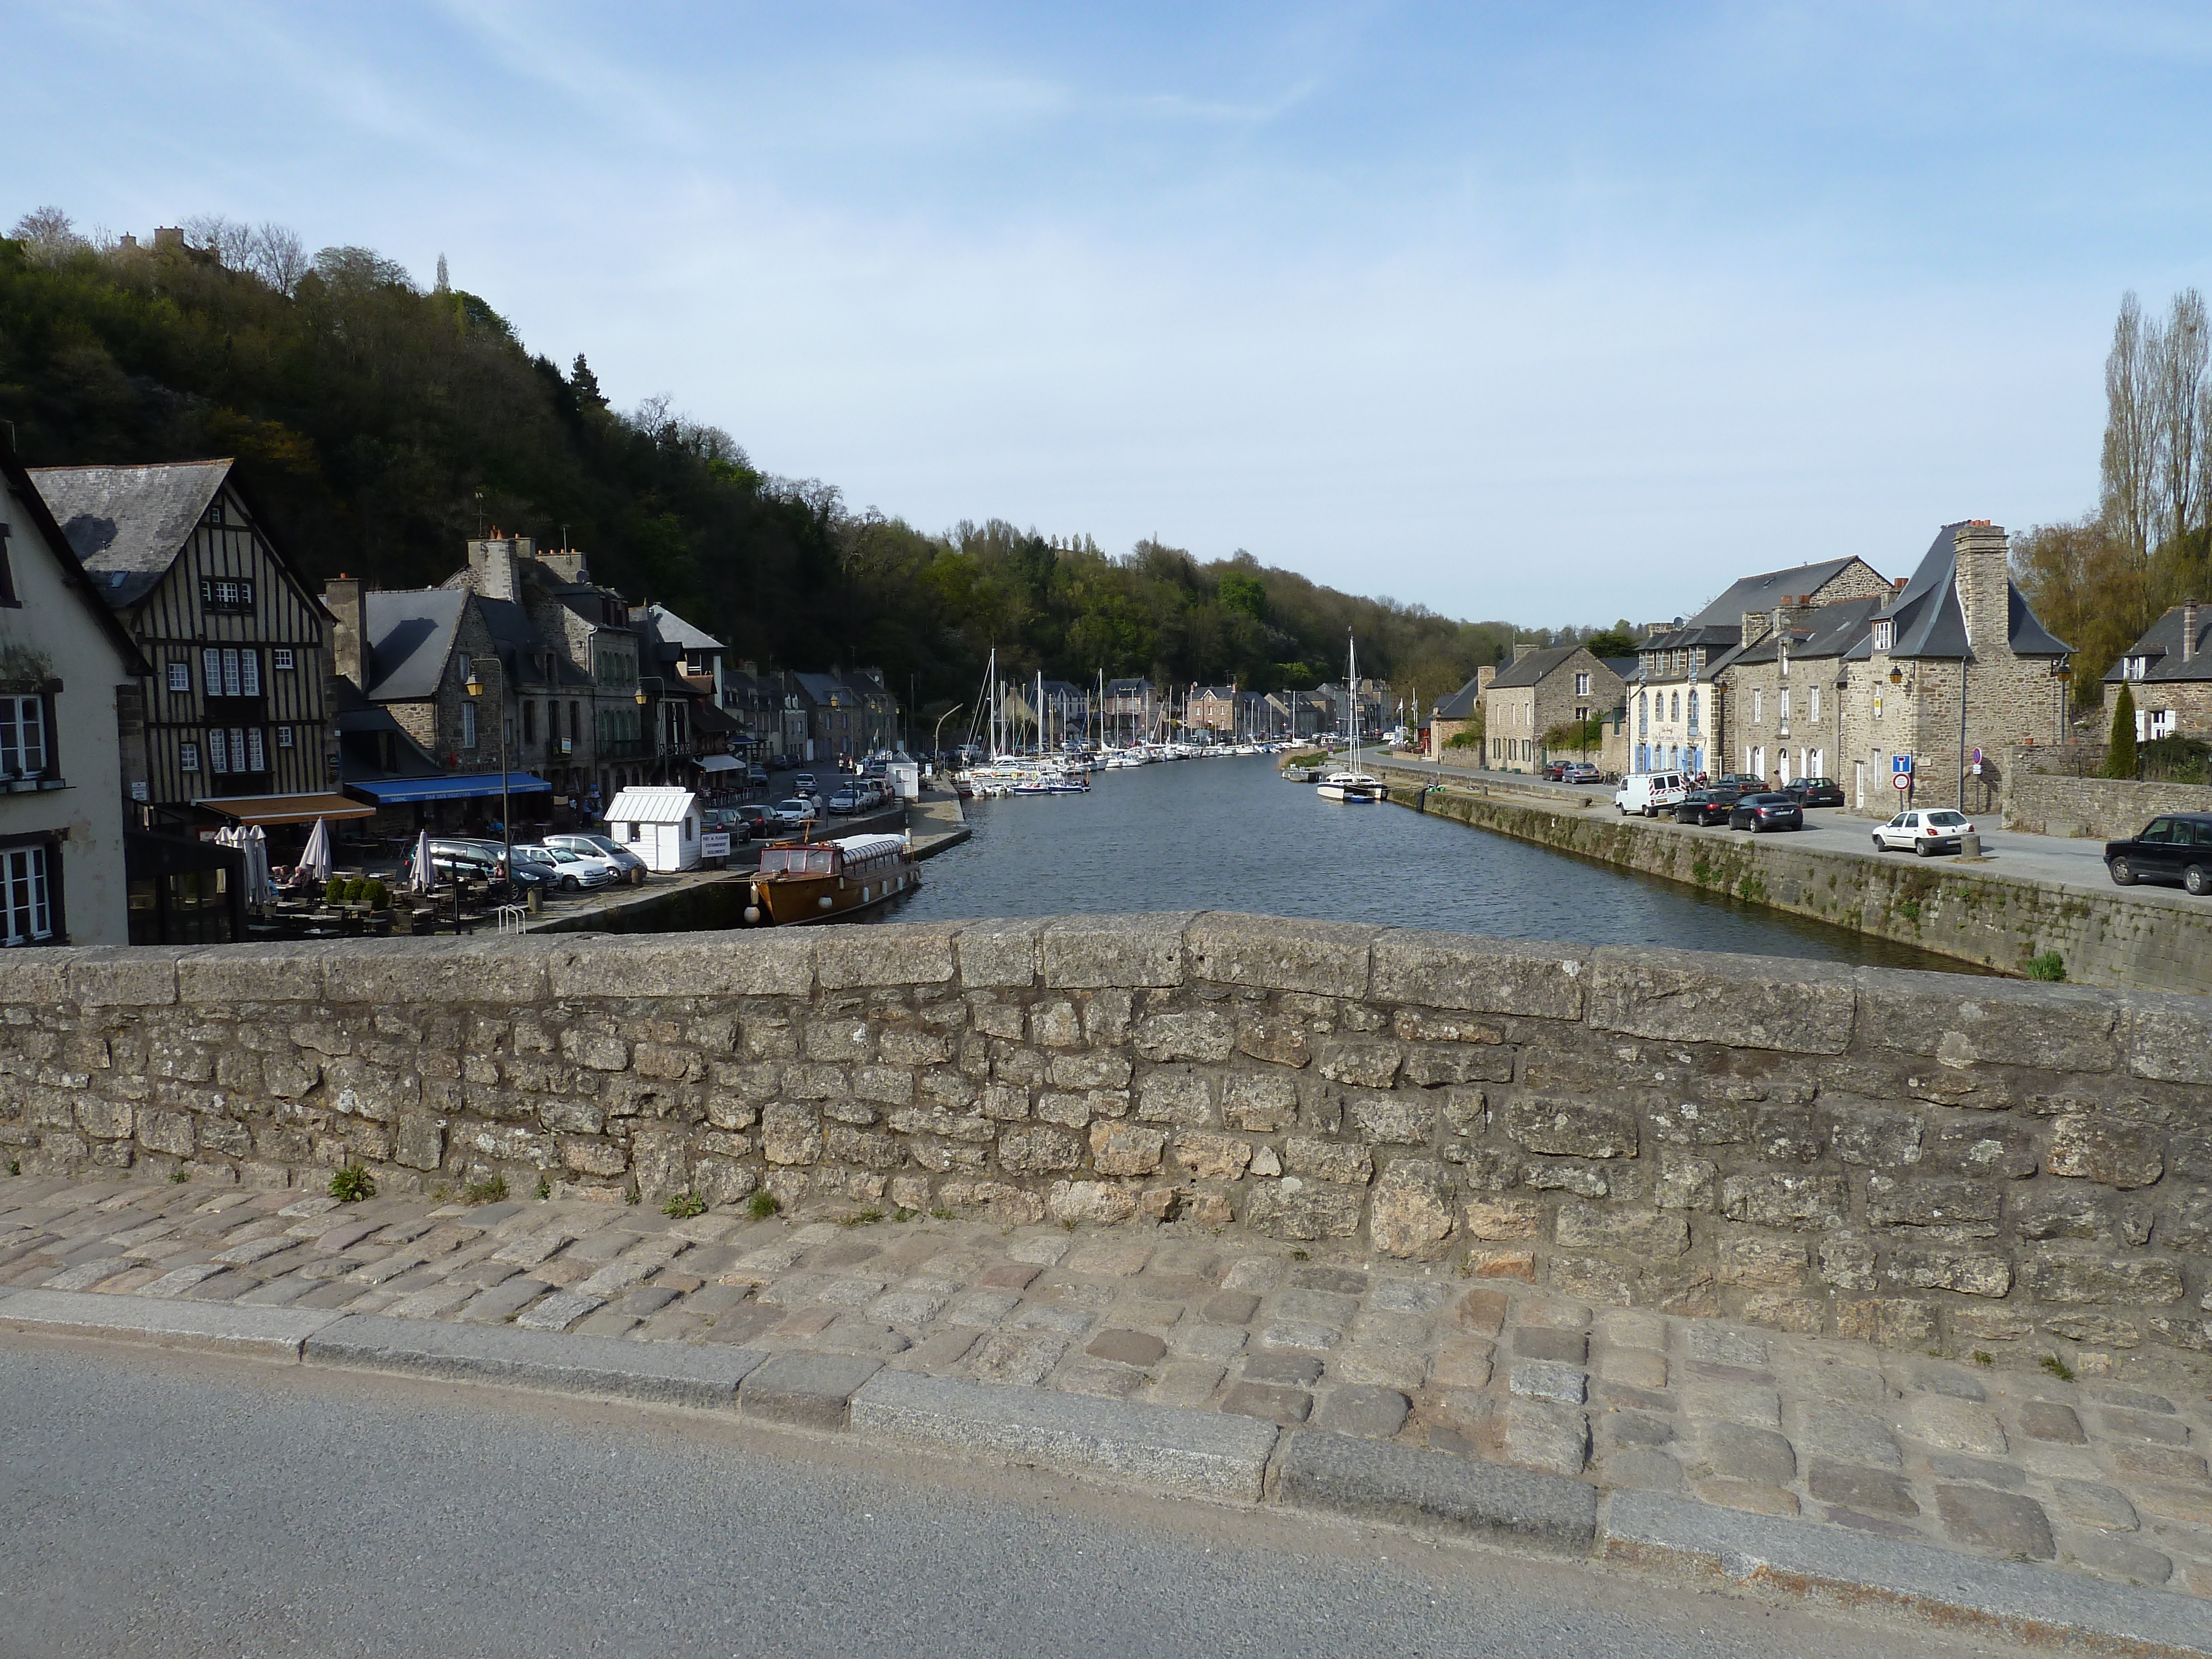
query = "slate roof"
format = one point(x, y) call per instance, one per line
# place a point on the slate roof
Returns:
point(826, 690)
point(2161, 643)
point(1766, 591)
point(1136, 688)
point(1830, 630)
point(657, 621)
point(1624, 667)
point(1534, 667)
point(129, 522)
point(87, 586)
point(1462, 704)
point(1930, 622)
point(409, 635)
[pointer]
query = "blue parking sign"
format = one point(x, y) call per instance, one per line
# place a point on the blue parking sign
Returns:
point(1900, 763)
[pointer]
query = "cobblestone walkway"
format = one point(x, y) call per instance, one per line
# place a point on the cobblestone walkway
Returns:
point(2088, 1474)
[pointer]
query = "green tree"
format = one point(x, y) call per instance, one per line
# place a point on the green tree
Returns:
point(1618, 640)
point(2120, 754)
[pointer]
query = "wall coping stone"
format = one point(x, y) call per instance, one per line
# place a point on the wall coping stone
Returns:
point(1744, 1002)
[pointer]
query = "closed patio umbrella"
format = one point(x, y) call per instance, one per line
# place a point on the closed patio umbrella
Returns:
point(315, 861)
point(421, 880)
point(260, 888)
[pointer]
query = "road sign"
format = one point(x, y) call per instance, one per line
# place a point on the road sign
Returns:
point(1900, 763)
point(1903, 780)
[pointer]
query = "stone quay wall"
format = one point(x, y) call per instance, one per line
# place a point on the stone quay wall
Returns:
point(2147, 938)
point(1918, 1158)
point(2099, 808)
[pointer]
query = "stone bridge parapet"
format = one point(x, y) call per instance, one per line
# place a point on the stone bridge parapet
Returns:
point(1918, 1158)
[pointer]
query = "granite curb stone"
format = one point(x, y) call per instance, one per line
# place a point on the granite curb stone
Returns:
point(666, 1374)
point(1373, 1480)
point(207, 1327)
point(2027, 1603)
point(1202, 1453)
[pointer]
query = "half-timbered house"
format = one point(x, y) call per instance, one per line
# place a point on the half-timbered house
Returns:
point(236, 718)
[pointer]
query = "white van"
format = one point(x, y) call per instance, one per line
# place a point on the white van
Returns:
point(1650, 793)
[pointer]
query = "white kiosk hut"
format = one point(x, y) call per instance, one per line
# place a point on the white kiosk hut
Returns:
point(660, 825)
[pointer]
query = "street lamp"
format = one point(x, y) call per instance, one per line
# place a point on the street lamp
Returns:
point(638, 697)
point(506, 814)
point(937, 737)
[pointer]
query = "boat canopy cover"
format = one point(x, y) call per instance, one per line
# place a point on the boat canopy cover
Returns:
point(861, 847)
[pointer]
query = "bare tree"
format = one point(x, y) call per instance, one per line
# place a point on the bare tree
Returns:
point(231, 242)
point(2130, 470)
point(49, 233)
point(279, 258)
point(2181, 395)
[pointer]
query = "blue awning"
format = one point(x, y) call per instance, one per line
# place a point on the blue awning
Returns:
point(456, 786)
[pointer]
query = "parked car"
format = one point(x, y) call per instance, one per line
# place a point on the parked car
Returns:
point(1770, 810)
point(1743, 783)
point(600, 846)
point(1922, 831)
point(758, 820)
point(756, 777)
point(793, 814)
point(845, 802)
point(2175, 847)
point(1707, 807)
point(1579, 772)
point(729, 821)
point(805, 784)
point(1552, 771)
point(481, 860)
point(1815, 792)
point(570, 871)
point(1650, 793)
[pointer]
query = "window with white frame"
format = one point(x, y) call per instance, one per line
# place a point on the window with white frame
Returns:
point(23, 751)
point(1813, 712)
point(188, 757)
point(468, 726)
point(1885, 636)
point(1693, 711)
point(1785, 705)
point(226, 593)
point(227, 672)
point(1582, 685)
point(280, 657)
point(1758, 704)
point(283, 736)
point(180, 676)
point(28, 877)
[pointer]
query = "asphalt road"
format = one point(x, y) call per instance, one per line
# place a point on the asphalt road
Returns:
point(175, 1505)
point(2078, 861)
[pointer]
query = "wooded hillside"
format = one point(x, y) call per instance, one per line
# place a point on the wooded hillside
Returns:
point(382, 426)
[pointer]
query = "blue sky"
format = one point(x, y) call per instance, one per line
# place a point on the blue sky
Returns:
point(1558, 312)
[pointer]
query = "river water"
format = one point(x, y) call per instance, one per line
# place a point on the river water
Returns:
point(1231, 835)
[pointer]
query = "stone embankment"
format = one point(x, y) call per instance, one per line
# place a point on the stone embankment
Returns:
point(2138, 936)
point(1912, 1157)
point(2101, 808)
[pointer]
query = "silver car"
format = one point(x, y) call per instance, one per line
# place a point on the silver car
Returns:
point(600, 846)
point(571, 870)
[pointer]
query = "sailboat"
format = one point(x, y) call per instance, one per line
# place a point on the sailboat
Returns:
point(1349, 784)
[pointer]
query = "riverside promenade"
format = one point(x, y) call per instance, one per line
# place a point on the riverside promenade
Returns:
point(2029, 896)
point(1205, 1363)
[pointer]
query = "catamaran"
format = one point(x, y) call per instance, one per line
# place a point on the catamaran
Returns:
point(1348, 783)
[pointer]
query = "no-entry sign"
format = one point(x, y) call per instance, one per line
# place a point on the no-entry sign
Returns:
point(1903, 780)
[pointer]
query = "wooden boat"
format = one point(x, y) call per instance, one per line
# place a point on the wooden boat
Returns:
point(803, 881)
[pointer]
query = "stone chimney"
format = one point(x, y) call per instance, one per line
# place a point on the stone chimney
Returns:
point(342, 598)
point(1483, 678)
point(1521, 649)
point(491, 568)
point(2188, 630)
point(168, 239)
point(1756, 625)
point(1979, 563)
point(567, 564)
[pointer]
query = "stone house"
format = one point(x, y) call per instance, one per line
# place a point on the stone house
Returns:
point(1786, 689)
point(69, 669)
point(1132, 712)
point(235, 705)
point(1459, 714)
point(1537, 690)
point(1210, 708)
point(2169, 672)
point(680, 674)
point(1678, 701)
point(1957, 662)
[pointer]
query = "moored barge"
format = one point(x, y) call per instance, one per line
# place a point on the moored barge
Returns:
point(803, 881)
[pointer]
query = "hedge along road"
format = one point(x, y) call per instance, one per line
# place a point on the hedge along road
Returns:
point(183, 1505)
point(1232, 834)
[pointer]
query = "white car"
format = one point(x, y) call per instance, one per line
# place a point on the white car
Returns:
point(793, 814)
point(1651, 793)
point(570, 869)
point(1924, 831)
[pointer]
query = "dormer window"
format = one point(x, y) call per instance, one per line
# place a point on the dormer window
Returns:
point(1885, 636)
point(2137, 667)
